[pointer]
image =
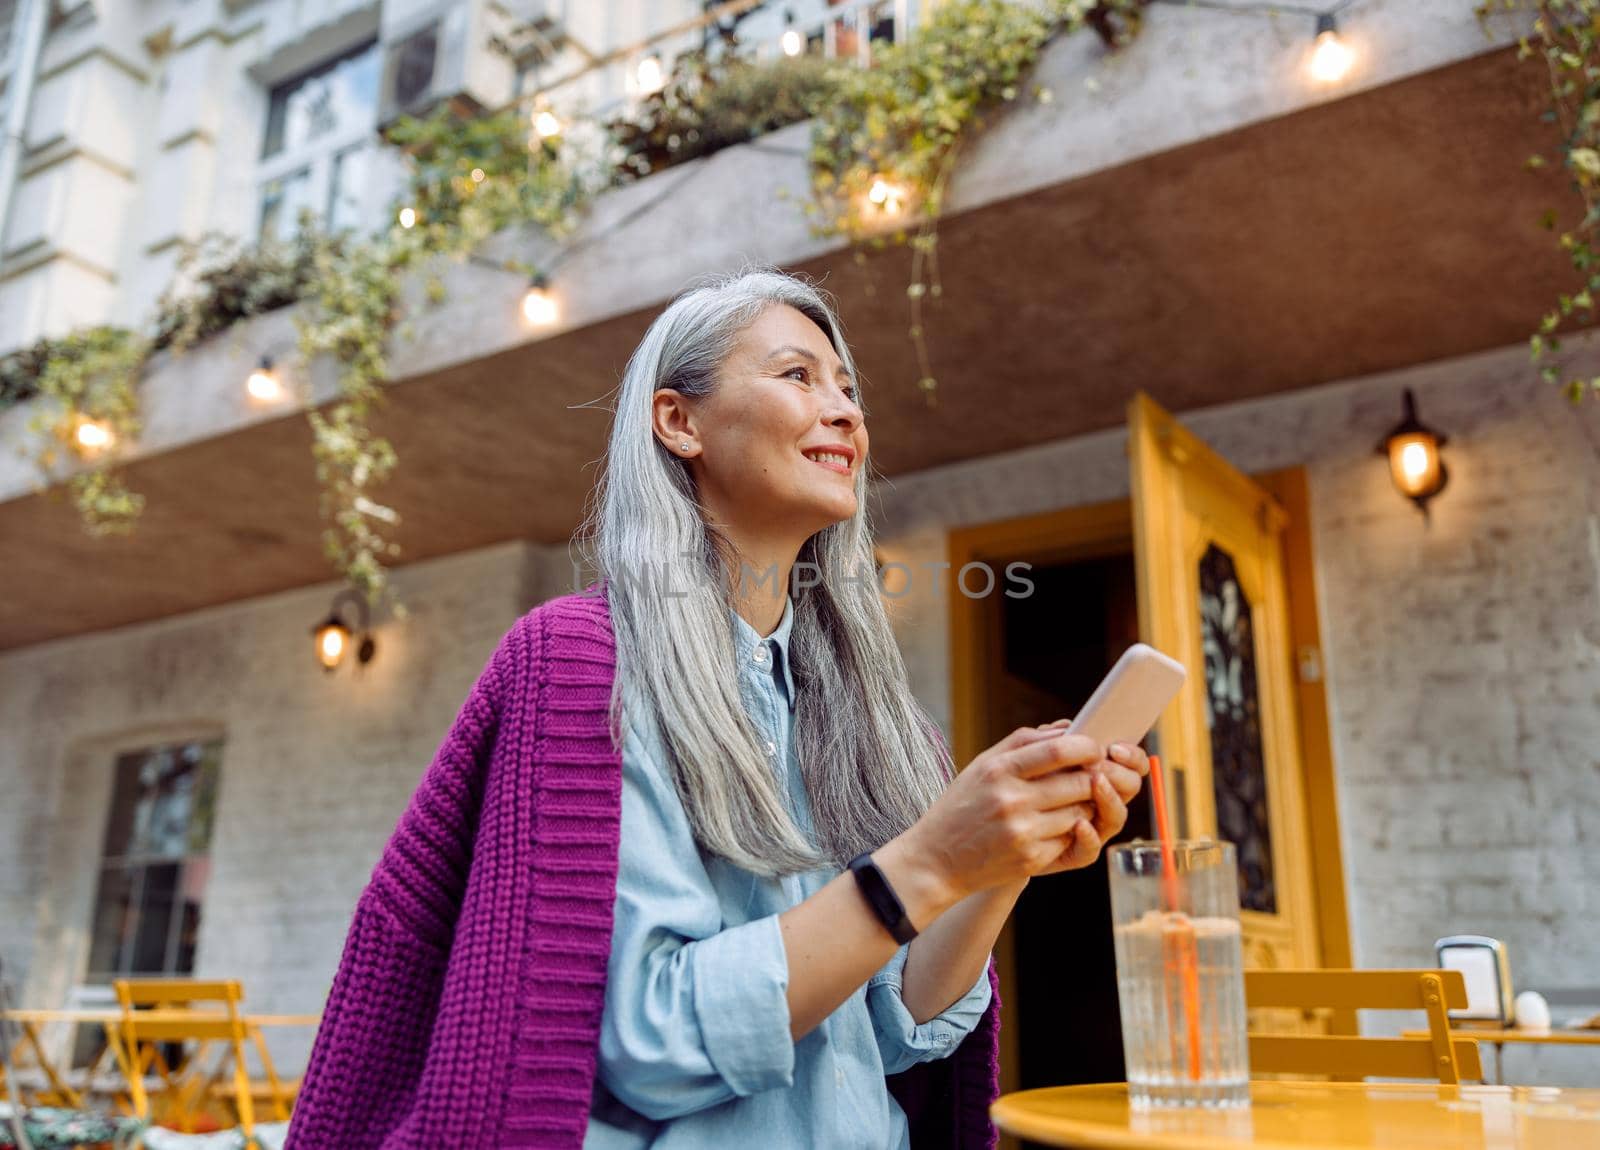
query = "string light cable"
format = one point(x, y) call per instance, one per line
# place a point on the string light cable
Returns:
point(1330, 62)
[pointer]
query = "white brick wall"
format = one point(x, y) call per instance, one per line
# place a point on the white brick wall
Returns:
point(315, 770)
point(1462, 657)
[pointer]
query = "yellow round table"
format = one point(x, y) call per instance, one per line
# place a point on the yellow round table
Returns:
point(1300, 1115)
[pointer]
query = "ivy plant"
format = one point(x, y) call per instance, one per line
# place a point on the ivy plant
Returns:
point(1564, 41)
point(87, 387)
point(887, 137)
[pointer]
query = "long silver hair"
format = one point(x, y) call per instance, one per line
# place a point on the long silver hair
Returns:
point(871, 757)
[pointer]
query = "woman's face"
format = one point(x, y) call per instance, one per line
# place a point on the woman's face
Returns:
point(777, 447)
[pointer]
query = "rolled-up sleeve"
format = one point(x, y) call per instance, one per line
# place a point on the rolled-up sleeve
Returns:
point(696, 1012)
point(902, 1042)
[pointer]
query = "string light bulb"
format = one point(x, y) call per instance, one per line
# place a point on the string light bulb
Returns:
point(93, 434)
point(650, 76)
point(793, 43)
point(547, 124)
point(1331, 57)
point(408, 217)
point(477, 175)
point(885, 195)
point(538, 305)
point(263, 385)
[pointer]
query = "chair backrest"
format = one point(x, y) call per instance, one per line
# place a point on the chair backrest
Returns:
point(180, 1009)
point(1432, 991)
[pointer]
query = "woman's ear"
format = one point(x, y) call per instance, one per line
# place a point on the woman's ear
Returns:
point(673, 422)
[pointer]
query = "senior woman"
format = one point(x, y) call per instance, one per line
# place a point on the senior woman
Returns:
point(775, 904)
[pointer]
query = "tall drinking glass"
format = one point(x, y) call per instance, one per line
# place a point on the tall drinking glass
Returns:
point(1180, 974)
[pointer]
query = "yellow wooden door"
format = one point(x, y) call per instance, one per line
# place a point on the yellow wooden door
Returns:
point(1209, 563)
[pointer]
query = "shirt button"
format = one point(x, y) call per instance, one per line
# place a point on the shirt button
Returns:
point(761, 655)
point(772, 748)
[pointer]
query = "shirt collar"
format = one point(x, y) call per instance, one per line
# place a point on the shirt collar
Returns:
point(748, 641)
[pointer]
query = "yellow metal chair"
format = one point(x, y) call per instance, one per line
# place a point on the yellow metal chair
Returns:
point(156, 1011)
point(1434, 992)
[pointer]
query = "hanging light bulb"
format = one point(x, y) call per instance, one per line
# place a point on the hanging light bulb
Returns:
point(93, 434)
point(793, 43)
point(547, 124)
point(262, 384)
point(408, 217)
point(650, 76)
point(538, 305)
point(1331, 57)
point(886, 195)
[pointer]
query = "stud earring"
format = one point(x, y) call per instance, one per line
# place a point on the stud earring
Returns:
point(685, 446)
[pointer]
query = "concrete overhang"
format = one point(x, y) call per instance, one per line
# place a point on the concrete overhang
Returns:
point(1391, 227)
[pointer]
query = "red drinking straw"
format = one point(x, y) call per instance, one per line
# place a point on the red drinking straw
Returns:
point(1188, 956)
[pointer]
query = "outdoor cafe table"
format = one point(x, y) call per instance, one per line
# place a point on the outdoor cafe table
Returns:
point(1327, 1115)
point(1500, 1035)
point(29, 1021)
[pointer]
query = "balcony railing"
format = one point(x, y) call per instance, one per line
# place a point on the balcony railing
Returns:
point(606, 85)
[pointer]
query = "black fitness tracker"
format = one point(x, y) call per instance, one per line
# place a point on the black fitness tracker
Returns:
point(881, 897)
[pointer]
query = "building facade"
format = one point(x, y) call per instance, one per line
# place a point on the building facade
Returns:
point(1275, 261)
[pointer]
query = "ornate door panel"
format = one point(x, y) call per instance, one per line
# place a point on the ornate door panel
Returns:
point(1210, 571)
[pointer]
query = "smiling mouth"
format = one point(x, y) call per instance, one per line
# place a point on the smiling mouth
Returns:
point(832, 461)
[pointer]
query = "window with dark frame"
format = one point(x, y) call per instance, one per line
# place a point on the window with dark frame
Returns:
point(155, 862)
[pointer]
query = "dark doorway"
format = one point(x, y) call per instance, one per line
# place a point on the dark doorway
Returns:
point(1055, 646)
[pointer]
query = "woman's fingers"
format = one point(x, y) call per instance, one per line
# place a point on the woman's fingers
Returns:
point(1062, 789)
point(1082, 848)
point(1130, 756)
point(1022, 736)
point(1111, 813)
point(1052, 753)
point(1123, 780)
point(1059, 823)
point(1082, 844)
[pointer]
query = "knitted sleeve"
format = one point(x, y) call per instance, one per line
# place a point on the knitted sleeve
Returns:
point(366, 1062)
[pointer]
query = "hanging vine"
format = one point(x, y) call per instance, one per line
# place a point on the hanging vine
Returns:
point(886, 137)
point(468, 179)
point(88, 387)
point(1565, 42)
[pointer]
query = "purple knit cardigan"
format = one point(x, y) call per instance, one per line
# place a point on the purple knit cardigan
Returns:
point(466, 1007)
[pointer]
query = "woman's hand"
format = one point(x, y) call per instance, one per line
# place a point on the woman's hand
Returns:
point(1040, 801)
point(1117, 780)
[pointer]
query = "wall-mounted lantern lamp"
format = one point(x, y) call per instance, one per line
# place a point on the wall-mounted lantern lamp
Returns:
point(333, 634)
point(1412, 448)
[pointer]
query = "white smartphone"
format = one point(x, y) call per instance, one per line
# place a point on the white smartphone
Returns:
point(1130, 699)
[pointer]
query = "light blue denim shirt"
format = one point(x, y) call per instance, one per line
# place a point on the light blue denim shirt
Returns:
point(694, 1037)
